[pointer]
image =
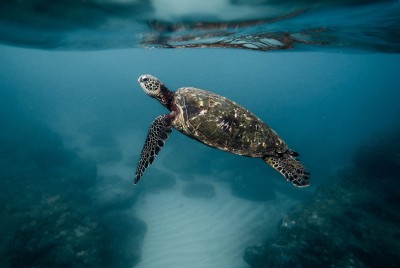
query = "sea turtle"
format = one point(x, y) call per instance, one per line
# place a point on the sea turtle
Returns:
point(217, 122)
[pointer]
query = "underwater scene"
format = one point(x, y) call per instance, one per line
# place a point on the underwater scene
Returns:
point(74, 118)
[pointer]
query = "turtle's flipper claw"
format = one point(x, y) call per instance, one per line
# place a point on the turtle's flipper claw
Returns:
point(158, 134)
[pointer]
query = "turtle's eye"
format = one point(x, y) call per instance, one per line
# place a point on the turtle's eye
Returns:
point(145, 79)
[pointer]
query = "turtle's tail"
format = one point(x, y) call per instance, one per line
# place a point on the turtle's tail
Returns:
point(290, 168)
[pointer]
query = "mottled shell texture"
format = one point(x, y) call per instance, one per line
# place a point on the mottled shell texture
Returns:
point(221, 123)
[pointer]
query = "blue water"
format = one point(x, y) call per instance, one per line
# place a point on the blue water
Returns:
point(74, 119)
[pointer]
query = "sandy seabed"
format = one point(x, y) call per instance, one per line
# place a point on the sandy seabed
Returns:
point(199, 232)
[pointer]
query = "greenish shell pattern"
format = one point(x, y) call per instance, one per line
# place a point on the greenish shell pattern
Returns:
point(221, 123)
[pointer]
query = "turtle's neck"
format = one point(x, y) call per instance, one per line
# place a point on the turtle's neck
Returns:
point(166, 97)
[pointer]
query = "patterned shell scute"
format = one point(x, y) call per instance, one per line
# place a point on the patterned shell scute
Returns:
point(223, 124)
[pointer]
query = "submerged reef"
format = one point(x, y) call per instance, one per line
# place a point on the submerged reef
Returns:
point(48, 212)
point(351, 222)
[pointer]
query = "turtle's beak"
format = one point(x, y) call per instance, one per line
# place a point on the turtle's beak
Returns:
point(142, 78)
point(144, 81)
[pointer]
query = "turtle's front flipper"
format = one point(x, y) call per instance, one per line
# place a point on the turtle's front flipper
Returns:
point(158, 134)
point(290, 168)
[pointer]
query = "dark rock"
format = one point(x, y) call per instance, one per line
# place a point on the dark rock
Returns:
point(48, 213)
point(199, 190)
point(55, 233)
point(123, 238)
point(115, 194)
point(351, 222)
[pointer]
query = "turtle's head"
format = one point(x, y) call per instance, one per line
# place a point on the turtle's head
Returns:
point(153, 87)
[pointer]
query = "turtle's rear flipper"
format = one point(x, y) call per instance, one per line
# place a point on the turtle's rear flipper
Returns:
point(158, 134)
point(290, 168)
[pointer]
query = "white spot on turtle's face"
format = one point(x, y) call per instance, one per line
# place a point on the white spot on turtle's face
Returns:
point(151, 85)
